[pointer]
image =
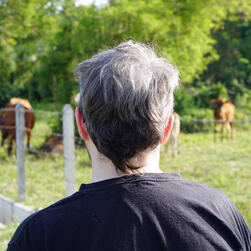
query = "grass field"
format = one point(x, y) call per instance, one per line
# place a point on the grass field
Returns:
point(225, 166)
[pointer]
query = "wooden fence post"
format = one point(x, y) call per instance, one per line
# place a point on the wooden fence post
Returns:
point(69, 149)
point(20, 151)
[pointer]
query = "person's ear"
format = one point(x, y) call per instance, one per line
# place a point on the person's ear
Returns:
point(81, 124)
point(167, 130)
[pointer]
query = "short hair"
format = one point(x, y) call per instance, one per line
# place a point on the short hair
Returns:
point(126, 98)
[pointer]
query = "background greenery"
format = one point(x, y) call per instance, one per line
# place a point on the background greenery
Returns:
point(41, 41)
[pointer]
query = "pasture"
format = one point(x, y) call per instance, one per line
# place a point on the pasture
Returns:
point(223, 165)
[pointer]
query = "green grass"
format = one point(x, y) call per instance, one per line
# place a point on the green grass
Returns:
point(225, 166)
point(6, 234)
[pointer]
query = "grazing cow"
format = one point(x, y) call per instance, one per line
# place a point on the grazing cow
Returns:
point(174, 136)
point(53, 144)
point(8, 121)
point(223, 114)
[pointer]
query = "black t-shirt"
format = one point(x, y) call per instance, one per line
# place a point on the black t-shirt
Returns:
point(149, 212)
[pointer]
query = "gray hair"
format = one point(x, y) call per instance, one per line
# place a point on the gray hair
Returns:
point(126, 97)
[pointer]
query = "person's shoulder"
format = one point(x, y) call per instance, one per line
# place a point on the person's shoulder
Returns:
point(35, 221)
point(22, 228)
point(204, 190)
point(221, 206)
point(205, 196)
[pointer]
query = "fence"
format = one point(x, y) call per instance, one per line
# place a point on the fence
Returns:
point(9, 209)
point(211, 123)
point(18, 128)
point(69, 141)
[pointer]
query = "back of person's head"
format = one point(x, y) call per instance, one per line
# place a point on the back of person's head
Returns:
point(126, 98)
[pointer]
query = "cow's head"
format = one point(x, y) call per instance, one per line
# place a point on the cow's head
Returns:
point(218, 102)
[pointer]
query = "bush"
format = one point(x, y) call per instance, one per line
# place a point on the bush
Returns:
point(189, 126)
point(7, 91)
point(186, 107)
point(184, 102)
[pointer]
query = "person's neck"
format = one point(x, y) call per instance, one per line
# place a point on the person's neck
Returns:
point(103, 168)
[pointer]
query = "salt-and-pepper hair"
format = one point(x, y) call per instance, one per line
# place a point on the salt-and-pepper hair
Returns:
point(126, 97)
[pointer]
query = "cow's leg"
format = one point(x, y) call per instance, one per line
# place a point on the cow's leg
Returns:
point(177, 145)
point(231, 129)
point(2, 142)
point(4, 136)
point(10, 144)
point(174, 150)
point(215, 131)
point(228, 126)
point(222, 130)
point(28, 133)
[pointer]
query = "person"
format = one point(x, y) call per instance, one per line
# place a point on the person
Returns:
point(124, 115)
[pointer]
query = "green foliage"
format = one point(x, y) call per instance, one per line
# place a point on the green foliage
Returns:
point(184, 102)
point(219, 91)
point(204, 93)
point(42, 41)
point(242, 112)
point(198, 125)
point(197, 96)
point(233, 67)
point(181, 30)
point(7, 91)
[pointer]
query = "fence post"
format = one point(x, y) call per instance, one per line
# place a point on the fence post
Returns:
point(20, 151)
point(69, 149)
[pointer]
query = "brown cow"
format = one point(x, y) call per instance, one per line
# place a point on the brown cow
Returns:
point(174, 135)
point(8, 121)
point(53, 144)
point(223, 114)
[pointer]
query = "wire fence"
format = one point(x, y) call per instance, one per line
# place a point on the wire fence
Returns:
point(216, 120)
point(47, 115)
point(50, 124)
point(60, 125)
point(15, 123)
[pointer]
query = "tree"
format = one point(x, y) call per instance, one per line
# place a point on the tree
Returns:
point(234, 64)
point(180, 29)
point(42, 41)
point(22, 25)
